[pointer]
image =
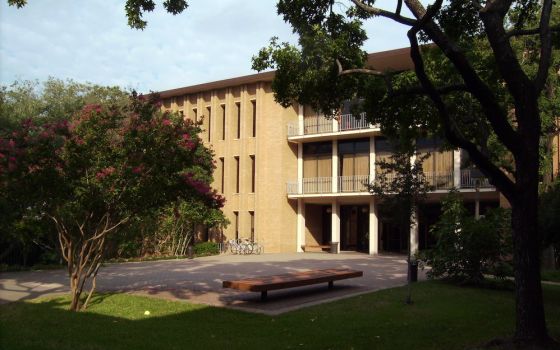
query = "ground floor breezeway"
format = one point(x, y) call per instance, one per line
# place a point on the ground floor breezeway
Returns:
point(363, 223)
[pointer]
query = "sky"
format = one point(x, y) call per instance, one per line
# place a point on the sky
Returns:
point(90, 41)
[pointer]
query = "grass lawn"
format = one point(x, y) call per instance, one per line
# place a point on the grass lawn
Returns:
point(442, 317)
point(550, 275)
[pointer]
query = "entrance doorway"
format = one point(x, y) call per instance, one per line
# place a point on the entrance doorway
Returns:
point(354, 227)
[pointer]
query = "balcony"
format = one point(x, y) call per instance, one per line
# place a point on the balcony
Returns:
point(440, 181)
point(322, 125)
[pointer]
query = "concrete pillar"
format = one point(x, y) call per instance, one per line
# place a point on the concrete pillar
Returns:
point(457, 168)
point(300, 120)
point(373, 228)
point(335, 124)
point(300, 240)
point(334, 166)
point(371, 159)
point(414, 232)
point(300, 168)
point(335, 223)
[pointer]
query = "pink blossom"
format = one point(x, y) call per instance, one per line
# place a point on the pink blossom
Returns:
point(166, 122)
point(12, 143)
point(186, 137)
point(2, 156)
point(138, 170)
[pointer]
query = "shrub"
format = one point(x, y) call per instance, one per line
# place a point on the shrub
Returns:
point(206, 249)
point(467, 248)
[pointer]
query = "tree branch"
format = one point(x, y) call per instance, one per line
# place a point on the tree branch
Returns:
point(383, 13)
point(545, 35)
point(500, 180)
point(532, 31)
point(357, 70)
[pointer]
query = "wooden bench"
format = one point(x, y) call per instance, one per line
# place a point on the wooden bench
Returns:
point(290, 280)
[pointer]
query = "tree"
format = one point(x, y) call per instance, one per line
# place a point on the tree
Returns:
point(481, 83)
point(107, 165)
point(25, 236)
point(402, 186)
point(134, 9)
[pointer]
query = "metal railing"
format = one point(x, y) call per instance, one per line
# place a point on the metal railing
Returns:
point(354, 183)
point(350, 122)
point(317, 185)
point(472, 178)
point(322, 125)
point(440, 180)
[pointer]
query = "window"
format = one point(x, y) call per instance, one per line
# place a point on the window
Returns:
point(437, 164)
point(253, 169)
point(252, 219)
point(238, 127)
point(209, 110)
point(180, 101)
point(317, 159)
point(236, 220)
point(222, 175)
point(353, 165)
point(195, 115)
point(254, 110)
point(223, 122)
point(236, 174)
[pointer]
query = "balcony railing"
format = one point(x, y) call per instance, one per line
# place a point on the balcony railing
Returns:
point(359, 183)
point(321, 125)
point(350, 122)
point(473, 178)
point(355, 183)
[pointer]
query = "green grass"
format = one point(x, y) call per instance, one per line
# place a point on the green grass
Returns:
point(550, 275)
point(442, 317)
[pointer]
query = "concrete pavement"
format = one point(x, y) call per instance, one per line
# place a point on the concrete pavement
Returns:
point(200, 280)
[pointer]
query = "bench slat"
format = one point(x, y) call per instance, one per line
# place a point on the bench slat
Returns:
point(290, 280)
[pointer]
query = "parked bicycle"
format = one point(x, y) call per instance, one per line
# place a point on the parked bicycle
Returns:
point(244, 246)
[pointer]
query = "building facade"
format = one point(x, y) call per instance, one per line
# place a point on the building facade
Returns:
point(295, 181)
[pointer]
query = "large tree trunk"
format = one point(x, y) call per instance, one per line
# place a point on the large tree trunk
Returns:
point(530, 320)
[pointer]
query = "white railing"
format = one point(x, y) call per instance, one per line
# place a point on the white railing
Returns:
point(354, 183)
point(439, 180)
point(317, 125)
point(317, 185)
point(350, 122)
point(473, 179)
point(292, 187)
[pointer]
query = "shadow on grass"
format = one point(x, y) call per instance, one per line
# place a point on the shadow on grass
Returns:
point(442, 317)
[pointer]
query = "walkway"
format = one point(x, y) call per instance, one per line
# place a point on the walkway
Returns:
point(200, 280)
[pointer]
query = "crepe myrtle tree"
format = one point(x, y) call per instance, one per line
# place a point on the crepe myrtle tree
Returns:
point(93, 173)
point(486, 81)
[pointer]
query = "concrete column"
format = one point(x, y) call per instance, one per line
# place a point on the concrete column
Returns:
point(335, 124)
point(457, 168)
point(334, 166)
point(300, 168)
point(414, 233)
point(371, 159)
point(373, 228)
point(300, 120)
point(300, 240)
point(335, 223)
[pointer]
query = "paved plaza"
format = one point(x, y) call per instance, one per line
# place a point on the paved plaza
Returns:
point(200, 280)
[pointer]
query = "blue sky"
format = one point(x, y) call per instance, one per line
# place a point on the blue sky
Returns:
point(89, 41)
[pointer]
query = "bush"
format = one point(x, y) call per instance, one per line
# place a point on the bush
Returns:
point(467, 248)
point(206, 249)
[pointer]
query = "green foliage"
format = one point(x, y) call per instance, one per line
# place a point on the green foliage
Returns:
point(468, 248)
point(206, 248)
point(549, 218)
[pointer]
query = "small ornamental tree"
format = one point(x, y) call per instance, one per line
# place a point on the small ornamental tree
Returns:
point(108, 164)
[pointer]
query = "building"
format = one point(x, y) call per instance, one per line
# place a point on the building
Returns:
point(294, 180)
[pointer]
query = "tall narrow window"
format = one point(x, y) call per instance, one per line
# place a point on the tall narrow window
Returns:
point(223, 122)
point(254, 110)
point(209, 109)
point(222, 175)
point(253, 168)
point(238, 127)
point(195, 115)
point(252, 219)
point(236, 174)
point(236, 219)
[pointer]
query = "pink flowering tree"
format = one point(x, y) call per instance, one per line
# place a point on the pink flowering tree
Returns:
point(105, 166)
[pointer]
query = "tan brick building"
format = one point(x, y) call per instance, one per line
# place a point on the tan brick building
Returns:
point(294, 180)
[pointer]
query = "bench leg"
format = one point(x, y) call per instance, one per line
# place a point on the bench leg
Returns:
point(331, 284)
point(263, 295)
